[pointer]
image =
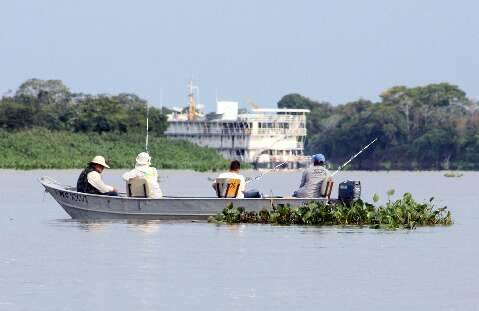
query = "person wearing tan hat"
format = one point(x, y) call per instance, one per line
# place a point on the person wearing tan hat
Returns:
point(90, 180)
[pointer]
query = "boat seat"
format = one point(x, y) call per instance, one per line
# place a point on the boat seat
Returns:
point(226, 187)
point(327, 187)
point(137, 187)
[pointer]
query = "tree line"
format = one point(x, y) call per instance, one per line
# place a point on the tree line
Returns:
point(427, 127)
point(50, 104)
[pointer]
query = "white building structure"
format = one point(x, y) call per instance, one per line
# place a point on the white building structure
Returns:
point(263, 136)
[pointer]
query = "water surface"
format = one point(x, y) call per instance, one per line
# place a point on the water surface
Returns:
point(50, 262)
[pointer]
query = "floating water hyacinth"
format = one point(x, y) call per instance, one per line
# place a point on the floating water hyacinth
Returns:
point(453, 174)
point(402, 213)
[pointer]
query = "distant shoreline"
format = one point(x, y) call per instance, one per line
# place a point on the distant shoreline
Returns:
point(38, 149)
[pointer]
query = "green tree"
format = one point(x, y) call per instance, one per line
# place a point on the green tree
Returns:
point(432, 126)
point(45, 91)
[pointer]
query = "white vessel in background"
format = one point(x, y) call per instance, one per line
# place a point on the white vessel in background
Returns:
point(264, 137)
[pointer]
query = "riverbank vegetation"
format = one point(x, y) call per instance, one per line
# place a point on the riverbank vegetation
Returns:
point(42, 148)
point(45, 125)
point(51, 105)
point(403, 213)
point(428, 127)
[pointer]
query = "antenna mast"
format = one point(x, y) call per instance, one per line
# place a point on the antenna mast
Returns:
point(191, 100)
point(147, 117)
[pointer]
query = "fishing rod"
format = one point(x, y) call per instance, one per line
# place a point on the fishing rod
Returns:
point(354, 156)
point(264, 173)
point(147, 117)
point(248, 180)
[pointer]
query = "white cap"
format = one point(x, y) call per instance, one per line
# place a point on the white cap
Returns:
point(99, 160)
point(143, 158)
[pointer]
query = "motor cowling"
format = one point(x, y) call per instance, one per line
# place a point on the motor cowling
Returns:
point(349, 191)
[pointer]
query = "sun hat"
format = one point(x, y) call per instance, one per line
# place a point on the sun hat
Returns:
point(99, 160)
point(319, 157)
point(143, 158)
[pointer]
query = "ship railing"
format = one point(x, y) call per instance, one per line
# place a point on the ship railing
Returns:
point(288, 132)
point(209, 129)
point(258, 117)
point(246, 132)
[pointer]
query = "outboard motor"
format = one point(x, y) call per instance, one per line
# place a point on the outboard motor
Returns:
point(349, 191)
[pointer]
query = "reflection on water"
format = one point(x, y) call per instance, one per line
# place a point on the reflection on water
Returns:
point(50, 262)
point(145, 226)
point(148, 227)
point(92, 226)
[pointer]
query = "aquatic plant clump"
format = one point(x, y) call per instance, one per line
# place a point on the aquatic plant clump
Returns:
point(402, 213)
point(453, 174)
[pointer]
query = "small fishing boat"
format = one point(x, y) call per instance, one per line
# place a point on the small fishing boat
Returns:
point(91, 206)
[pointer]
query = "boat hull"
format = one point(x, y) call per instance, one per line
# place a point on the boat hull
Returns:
point(90, 206)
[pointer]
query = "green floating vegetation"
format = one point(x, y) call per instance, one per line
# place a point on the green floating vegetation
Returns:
point(403, 213)
point(44, 149)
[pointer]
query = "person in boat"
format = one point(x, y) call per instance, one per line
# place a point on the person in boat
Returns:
point(313, 178)
point(90, 180)
point(234, 173)
point(144, 169)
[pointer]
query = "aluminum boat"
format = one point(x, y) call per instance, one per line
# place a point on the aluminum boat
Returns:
point(91, 206)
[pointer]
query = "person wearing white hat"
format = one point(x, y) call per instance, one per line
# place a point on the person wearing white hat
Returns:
point(149, 173)
point(90, 180)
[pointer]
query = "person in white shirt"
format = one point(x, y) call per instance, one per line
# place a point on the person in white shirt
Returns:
point(143, 169)
point(90, 180)
point(234, 173)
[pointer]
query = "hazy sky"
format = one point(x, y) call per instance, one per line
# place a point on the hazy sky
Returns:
point(241, 50)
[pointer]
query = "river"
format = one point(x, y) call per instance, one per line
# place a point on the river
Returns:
point(50, 262)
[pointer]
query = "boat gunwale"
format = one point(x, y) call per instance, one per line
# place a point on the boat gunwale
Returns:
point(47, 182)
point(134, 214)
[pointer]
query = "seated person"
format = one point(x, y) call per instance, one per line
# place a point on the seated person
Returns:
point(90, 180)
point(313, 178)
point(150, 174)
point(234, 174)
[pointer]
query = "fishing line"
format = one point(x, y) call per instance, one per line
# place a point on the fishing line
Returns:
point(352, 158)
point(265, 173)
point(259, 176)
